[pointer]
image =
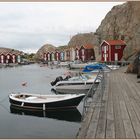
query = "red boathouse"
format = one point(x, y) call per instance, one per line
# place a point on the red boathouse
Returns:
point(112, 50)
point(86, 52)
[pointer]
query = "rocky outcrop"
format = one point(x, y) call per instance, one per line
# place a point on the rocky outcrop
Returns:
point(10, 51)
point(44, 48)
point(133, 67)
point(122, 22)
point(83, 39)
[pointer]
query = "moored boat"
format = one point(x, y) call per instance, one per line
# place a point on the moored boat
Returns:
point(45, 102)
point(80, 65)
point(113, 67)
point(96, 68)
point(76, 84)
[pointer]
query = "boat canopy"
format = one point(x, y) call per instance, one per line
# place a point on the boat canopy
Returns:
point(91, 67)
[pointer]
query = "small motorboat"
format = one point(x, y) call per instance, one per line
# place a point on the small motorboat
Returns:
point(45, 102)
point(76, 84)
point(113, 67)
point(80, 65)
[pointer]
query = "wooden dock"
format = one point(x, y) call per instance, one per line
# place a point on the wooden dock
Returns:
point(116, 112)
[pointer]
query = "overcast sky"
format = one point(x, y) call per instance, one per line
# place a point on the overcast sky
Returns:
point(28, 26)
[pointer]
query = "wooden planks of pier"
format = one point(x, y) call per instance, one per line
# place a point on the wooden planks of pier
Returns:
point(116, 112)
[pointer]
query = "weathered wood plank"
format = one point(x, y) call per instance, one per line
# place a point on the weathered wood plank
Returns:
point(91, 132)
point(96, 102)
point(126, 121)
point(117, 113)
point(100, 133)
point(119, 126)
point(101, 128)
point(110, 126)
point(133, 118)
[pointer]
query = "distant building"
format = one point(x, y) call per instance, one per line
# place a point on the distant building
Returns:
point(86, 53)
point(112, 50)
point(83, 53)
point(9, 56)
point(57, 55)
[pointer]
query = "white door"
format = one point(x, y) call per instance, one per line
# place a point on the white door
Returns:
point(105, 49)
point(116, 56)
point(105, 57)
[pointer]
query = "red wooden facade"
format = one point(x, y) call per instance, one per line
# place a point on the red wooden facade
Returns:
point(68, 55)
point(112, 50)
point(2, 58)
point(83, 53)
point(86, 53)
point(76, 54)
point(9, 57)
point(45, 57)
point(57, 56)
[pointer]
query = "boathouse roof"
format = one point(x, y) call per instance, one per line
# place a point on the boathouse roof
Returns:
point(6, 51)
point(114, 42)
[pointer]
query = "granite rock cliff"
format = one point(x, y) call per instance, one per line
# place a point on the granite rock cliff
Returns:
point(122, 22)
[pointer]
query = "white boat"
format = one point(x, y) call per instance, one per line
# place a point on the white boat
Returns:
point(79, 65)
point(45, 102)
point(77, 84)
point(63, 64)
point(113, 67)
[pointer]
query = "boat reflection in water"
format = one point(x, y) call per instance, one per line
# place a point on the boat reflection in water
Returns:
point(71, 115)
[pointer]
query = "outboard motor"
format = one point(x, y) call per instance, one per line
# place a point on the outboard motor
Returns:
point(67, 77)
point(56, 80)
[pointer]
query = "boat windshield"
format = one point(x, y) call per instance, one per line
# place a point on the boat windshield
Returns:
point(82, 77)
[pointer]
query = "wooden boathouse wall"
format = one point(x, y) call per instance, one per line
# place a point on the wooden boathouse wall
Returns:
point(112, 50)
point(84, 53)
point(9, 56)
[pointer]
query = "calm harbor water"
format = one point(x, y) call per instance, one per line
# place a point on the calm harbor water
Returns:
point(26, 124)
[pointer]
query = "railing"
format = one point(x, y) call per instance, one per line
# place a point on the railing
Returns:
point(96, 89)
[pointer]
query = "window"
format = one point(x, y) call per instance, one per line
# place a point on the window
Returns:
point(117, 47)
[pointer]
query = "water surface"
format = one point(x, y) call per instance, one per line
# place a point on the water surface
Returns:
point(16, 123)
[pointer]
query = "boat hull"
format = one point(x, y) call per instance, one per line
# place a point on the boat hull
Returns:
point(79, 65)
point(68, 103)
point(73, 88)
